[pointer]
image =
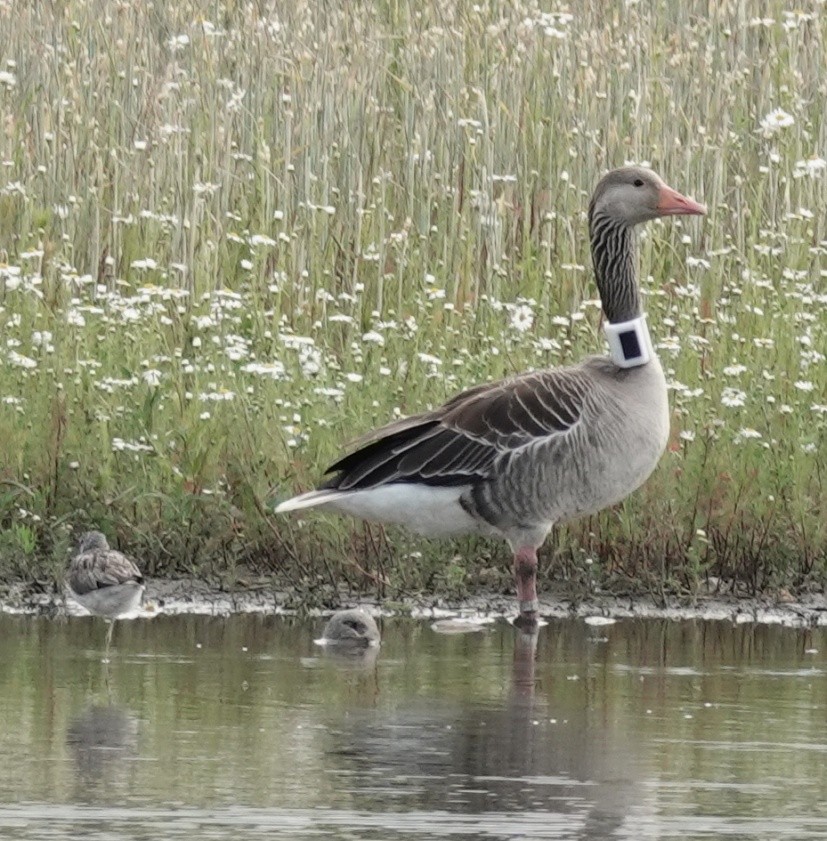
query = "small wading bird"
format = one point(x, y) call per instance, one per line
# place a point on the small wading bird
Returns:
point(354, 628)
point(104, 581)
point(513, 458)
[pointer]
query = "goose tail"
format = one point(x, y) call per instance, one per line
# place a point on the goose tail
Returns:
point(311, 499)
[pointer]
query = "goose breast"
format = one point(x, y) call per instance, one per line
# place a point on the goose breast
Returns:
point(621, 432)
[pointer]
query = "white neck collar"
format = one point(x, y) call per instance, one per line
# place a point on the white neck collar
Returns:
point(629, 342)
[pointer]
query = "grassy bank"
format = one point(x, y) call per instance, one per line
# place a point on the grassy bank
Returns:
point(234, 236)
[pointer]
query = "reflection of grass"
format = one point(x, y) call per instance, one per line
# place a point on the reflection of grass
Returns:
point(227, 253)
point(224, 706)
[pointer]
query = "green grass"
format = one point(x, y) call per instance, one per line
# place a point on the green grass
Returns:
point(235, 236)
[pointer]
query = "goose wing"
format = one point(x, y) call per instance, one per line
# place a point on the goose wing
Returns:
point(460, 442)
point(101, 568)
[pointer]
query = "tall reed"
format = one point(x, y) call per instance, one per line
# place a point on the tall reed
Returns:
point(235, 236)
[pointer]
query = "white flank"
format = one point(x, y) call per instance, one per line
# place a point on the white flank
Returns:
point(428, 510)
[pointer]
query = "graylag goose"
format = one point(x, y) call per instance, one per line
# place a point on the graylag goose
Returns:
point(104, 580)
point(513, 458)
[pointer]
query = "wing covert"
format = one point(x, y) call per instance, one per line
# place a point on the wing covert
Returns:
point(460, 442)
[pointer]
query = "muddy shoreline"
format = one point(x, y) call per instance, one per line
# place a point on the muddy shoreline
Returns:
point(192, 596)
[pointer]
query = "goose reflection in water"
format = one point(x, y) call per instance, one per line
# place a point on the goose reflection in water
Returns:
point(549, 750)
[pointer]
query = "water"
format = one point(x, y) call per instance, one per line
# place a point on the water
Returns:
point(222, 728)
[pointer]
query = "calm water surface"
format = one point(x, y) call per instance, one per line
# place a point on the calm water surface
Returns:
point(222, 728)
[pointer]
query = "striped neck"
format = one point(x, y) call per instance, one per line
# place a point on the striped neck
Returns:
point(613, 256)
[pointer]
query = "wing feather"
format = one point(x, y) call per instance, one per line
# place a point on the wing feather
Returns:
point(101, 568)
point(460, 442)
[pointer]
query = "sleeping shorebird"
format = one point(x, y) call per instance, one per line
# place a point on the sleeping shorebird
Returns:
point(104, 581)
point(354, 628)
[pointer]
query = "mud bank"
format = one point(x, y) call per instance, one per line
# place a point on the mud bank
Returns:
point(192, 596)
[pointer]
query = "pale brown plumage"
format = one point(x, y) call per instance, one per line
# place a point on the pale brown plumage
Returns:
point(515, 457)
point(103, 580)
point(95, 566)
point(461, 441)
point(354, 627)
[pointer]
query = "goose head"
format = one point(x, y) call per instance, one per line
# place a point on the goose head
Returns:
point(634, 194)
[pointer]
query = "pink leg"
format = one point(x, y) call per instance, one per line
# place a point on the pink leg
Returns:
point(525, 571)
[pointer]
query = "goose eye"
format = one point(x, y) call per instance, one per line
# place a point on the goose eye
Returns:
point(638, 182)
